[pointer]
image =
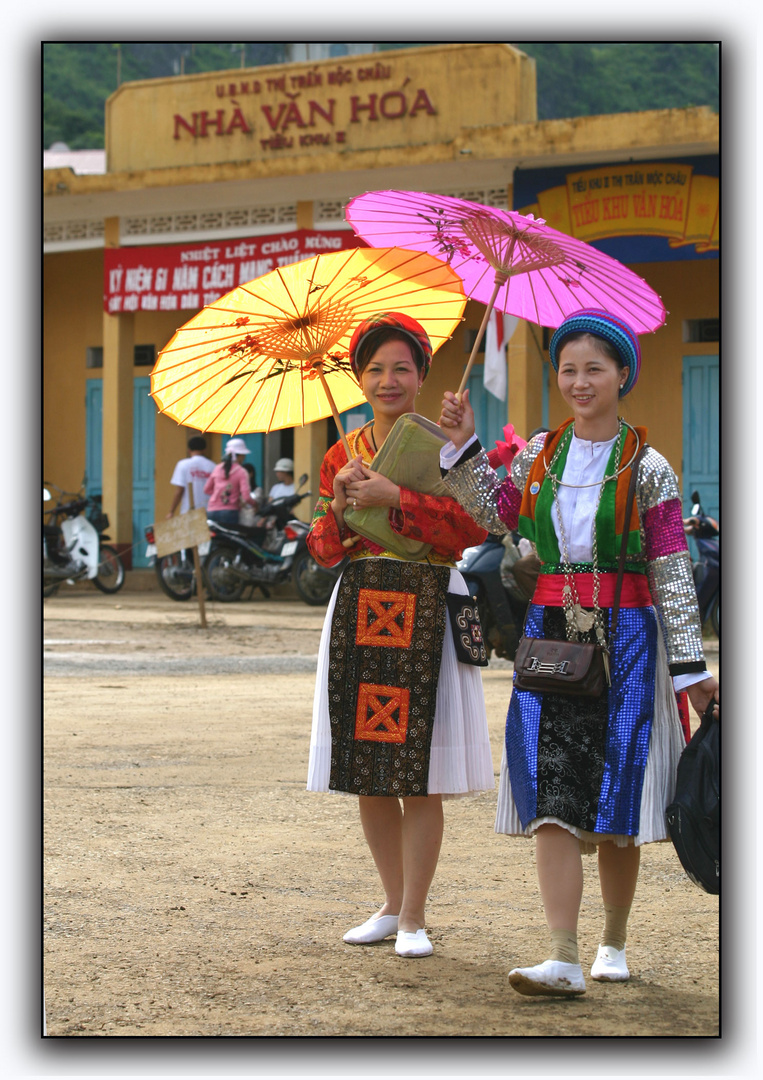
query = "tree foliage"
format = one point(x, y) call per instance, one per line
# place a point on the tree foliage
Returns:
point(593, 78)
point(573, 78)
point(78, 77)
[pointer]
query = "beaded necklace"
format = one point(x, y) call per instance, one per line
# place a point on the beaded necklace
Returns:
point(578, 621)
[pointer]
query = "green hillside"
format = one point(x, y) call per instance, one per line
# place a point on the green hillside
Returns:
point(574, 78)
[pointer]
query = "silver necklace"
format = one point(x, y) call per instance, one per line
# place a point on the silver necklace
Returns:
point(577, 620)
point(595, 483)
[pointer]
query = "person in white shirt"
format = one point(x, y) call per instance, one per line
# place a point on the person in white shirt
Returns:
point(284, 470)
point(195, 470)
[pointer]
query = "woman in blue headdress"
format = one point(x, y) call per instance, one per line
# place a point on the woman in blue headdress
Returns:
point(585, 774)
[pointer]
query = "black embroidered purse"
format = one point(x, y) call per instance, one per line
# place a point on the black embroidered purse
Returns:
point(467, 629)
point(466, 626)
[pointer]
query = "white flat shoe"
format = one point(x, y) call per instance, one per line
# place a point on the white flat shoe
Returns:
point(377, 928)
point(552, 978)
point(610, 965)
point(417, 944)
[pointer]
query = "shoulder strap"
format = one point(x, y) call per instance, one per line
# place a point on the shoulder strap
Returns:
point(624, 544)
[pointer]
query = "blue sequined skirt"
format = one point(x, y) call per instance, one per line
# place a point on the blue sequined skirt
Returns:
point(582, 762)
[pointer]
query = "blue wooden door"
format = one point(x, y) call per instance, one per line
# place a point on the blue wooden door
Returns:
point(143, 422)
point(701, 435)
point(94, 436)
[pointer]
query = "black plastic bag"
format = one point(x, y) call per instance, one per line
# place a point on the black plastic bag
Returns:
point(694, 817)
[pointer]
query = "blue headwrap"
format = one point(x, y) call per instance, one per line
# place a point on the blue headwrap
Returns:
point(610, 328)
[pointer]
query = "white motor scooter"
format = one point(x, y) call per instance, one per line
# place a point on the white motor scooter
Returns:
point(73, 551)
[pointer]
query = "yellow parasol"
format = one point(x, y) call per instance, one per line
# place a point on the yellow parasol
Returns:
point(273, 353)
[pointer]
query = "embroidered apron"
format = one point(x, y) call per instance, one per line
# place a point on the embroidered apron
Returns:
point(387, 635)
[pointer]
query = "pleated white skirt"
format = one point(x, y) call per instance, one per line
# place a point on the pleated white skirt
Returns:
point(460, 762)
point(666, 742)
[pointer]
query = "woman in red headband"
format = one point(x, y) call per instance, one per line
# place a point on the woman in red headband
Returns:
point(397, 719)
point(591, 773)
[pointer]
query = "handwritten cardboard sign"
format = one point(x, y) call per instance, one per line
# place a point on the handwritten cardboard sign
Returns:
point(183, 531)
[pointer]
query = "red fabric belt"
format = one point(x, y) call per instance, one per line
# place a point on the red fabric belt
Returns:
point(635, 590)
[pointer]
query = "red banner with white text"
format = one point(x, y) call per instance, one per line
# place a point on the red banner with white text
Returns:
point(186, 277)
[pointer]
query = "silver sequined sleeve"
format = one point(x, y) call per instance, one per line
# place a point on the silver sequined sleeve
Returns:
point(493, 503)
point(669, 568)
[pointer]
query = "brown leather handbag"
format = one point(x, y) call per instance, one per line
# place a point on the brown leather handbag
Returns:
point(573, 667)
point(559, 667)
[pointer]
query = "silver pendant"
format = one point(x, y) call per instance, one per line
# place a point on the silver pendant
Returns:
point(584, 620)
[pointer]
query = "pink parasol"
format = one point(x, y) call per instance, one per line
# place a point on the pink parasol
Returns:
point(512, 261)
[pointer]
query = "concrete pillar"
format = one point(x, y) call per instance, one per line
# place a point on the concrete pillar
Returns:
point(309, 451)
point(525, 378)
point(118, 365)
point(305, 218)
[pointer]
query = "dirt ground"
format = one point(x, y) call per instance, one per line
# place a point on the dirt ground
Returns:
point(194, 888)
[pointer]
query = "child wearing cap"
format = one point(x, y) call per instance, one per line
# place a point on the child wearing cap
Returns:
point(284, 470)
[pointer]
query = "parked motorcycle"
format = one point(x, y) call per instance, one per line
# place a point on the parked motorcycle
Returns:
point(707, 568)
point(72, 544)
point(272, 552)
point(502, 610)
point(175, 573)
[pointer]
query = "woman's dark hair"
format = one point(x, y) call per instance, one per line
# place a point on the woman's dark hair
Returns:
point(228, 464)
point(373, 341)
point(600, 344)
point(252, 475)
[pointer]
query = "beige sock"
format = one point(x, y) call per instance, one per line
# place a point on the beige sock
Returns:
point(615, 925)
point(564, 946)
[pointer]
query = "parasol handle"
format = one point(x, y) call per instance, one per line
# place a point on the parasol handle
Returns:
point(500, 279)
point(334, 413)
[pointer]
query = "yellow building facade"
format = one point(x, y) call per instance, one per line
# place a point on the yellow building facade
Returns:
point(238, 171)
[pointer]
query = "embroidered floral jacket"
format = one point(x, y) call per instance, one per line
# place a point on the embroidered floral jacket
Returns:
point(436, 520)
point(662, 551)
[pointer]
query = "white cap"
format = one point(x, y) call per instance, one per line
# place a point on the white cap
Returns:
point(284, 464)
point(236, 446)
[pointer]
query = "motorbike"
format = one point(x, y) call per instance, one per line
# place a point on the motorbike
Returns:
point(272, 552)
point(175, 573)
point(707, 568)
point(72, 544)
point(502, 608)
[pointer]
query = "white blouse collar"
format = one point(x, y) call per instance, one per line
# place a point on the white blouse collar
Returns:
point(592, 447)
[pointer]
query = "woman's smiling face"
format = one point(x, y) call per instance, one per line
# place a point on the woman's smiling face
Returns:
point(590, 381)
point(390, 380)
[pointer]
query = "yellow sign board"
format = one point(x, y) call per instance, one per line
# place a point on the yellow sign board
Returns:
point(184, 531)
point(401, 97)
point(644, 199)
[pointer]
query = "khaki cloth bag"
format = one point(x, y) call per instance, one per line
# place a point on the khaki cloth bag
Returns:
point(410, 457)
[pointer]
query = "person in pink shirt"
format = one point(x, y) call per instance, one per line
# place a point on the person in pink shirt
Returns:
point(228, 486)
